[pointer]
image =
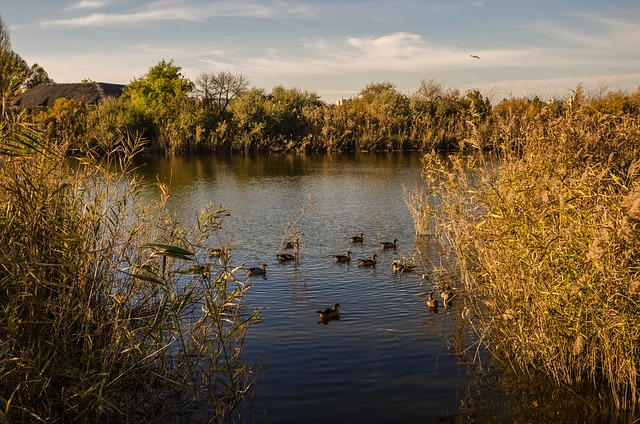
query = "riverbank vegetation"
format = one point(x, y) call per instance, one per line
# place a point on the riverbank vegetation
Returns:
point(110, 309)
point(108, 305)
point(546, 235)
point(222, 112)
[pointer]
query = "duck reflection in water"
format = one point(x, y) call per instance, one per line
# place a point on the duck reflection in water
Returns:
point(327, 320)
point(286, 257)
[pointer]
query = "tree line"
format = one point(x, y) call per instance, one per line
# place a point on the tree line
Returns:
point(223, 112)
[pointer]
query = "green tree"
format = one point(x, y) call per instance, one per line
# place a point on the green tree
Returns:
point(37, 76)
point(289, 111)
point(156, 91)
point(281, 120)
point(13, 70)
point(385, 117)
point(250, 120)
point(161, 98)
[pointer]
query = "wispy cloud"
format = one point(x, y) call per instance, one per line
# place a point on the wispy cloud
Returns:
point(594, 32)
point(88, 4)
point(183, 10)
point(396, 52)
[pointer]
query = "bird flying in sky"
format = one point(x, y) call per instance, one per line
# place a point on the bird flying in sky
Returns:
point(474, 56)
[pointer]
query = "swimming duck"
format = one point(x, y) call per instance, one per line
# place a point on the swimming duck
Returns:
point(446, 296)
point(330, 312)
point(285, 257)
point(389, 245)
point(343, 258)
point(358, 239)
point(431, 302)
point(216, 252)
point(402, 267)
point(290, 244)
point(368, 262)
point(257, 271)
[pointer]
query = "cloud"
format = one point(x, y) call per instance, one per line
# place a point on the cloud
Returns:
point(396, 52)
point(182, 10)
point(594, 32)
point(88, 4)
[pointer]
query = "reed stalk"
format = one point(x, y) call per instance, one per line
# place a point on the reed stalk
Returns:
point(108, 309)
point(547, 244)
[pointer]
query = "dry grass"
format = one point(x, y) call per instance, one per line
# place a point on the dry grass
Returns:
point(107, 308)
point(548, 246)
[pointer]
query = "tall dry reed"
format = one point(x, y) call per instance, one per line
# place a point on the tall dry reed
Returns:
point(548, 245)
point(108, 309)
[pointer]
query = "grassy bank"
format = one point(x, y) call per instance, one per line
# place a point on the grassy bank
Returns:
point(547, 237)
point(107, 308)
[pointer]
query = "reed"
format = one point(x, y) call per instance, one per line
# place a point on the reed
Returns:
point(107, 308)
point(293, 234)
point(420, 204)
point(547, 245)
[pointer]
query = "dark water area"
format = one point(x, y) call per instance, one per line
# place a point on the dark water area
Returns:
point(388, 358)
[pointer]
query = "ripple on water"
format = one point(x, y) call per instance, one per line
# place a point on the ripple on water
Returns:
point(387, 357)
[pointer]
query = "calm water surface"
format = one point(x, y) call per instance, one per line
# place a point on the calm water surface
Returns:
point(388, 358)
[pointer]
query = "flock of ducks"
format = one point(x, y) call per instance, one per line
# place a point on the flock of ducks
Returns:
point(333, 312)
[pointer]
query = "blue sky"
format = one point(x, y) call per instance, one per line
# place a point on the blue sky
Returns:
point(335, 48)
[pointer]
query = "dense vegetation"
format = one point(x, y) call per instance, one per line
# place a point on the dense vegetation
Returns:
point(110, 309)
point(105, 304)
point(221, 112)
point(547, 238)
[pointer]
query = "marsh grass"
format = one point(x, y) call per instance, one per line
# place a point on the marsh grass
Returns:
point(292, 231)
point(548, 245)
point(108, 309)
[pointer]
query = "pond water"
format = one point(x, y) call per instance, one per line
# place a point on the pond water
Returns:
point(388, 358)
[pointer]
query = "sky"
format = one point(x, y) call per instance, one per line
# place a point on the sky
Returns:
point(336, 48)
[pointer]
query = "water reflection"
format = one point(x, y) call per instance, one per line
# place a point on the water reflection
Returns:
point(388, 357)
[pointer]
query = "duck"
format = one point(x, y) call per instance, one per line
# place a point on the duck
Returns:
point(431, 302)
point(330, 312)
point(358, 239)
point(402, 267)
point(217, 252)
point(446, 296)
point(257, 271)
point(290, 244)
point(389, 245)
point(343, 258)
point(368, 262)
point(285, 257)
